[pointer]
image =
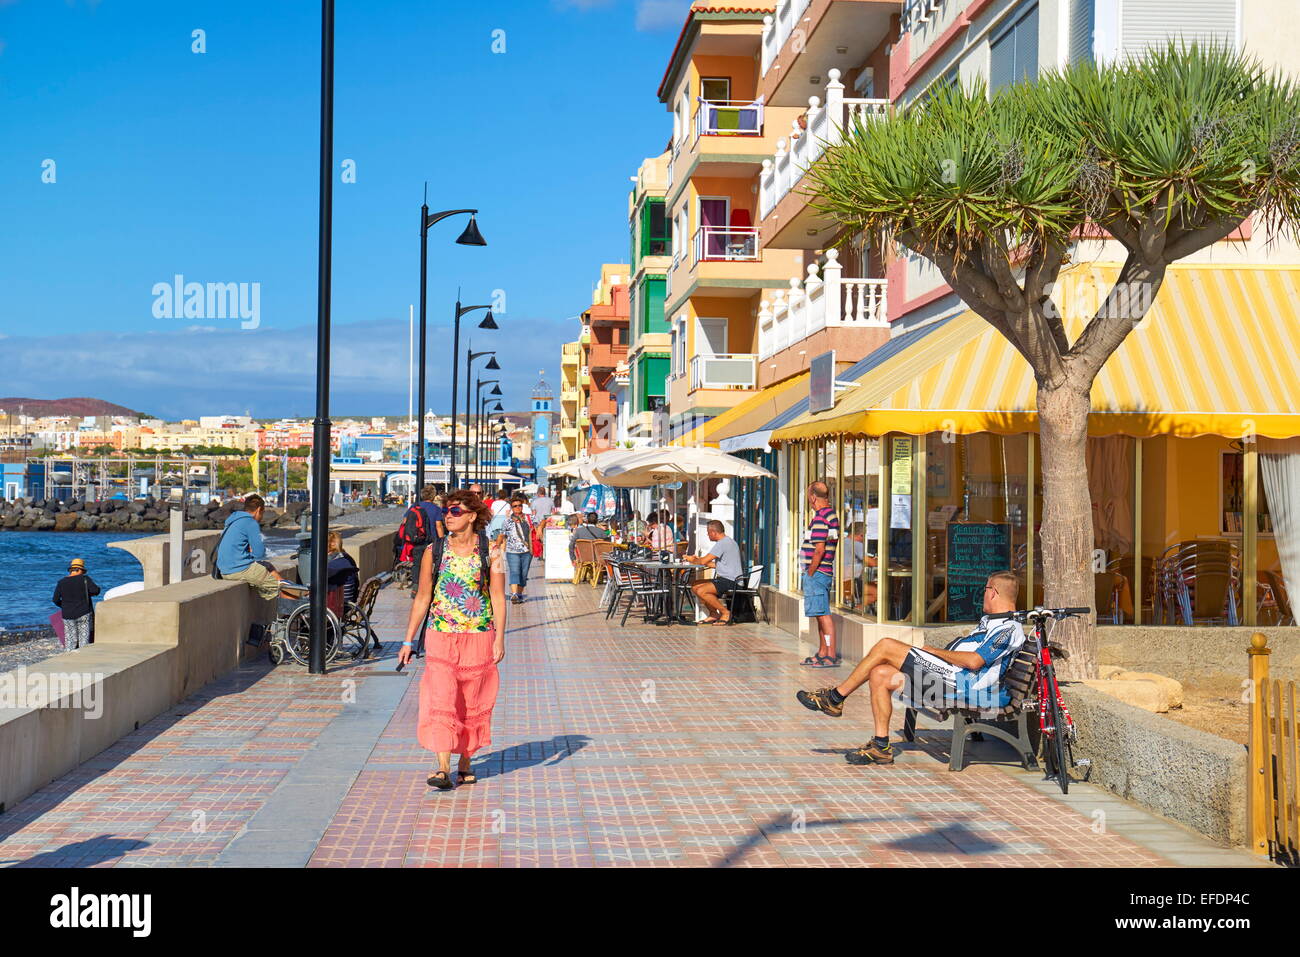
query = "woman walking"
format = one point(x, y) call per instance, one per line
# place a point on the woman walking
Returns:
point(464, 599)
point(519, 549)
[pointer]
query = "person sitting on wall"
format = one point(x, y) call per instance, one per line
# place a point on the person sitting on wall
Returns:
point(241, 552)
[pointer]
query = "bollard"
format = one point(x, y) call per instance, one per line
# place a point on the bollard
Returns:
point(1259, 762)
point(177, 556)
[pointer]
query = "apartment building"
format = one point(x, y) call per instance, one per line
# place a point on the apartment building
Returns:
point(604, 345)
point(722, 130)
point(565, 444)
point(649, 342)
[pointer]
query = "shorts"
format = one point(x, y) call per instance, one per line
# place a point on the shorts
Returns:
point(259, 576)
point(816, 595)
point(722, 585)
point(931, 681)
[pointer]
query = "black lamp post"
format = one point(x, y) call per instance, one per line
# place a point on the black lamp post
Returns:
point(478, 407)
point(470, 356)
point(321, 426)
point(487, 323)
point(470, 237)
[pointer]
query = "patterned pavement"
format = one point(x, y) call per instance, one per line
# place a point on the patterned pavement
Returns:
point(641, 745)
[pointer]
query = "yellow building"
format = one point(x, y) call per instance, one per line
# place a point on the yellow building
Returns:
point(565, 444)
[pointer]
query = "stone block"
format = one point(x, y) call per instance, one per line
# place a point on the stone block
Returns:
point(1146, 695)
point(1174, 689)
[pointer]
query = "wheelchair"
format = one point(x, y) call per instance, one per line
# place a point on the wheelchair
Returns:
point(348, 633)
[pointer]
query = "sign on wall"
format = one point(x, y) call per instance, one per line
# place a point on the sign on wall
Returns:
point(821, 382)
point(975, 551)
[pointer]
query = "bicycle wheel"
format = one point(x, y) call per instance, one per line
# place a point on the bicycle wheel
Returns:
point(297, 638)
point(1056, 750)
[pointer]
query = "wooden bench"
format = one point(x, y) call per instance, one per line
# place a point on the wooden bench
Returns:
point(1010, 724)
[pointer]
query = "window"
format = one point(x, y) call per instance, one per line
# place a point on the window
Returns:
point(1013, 55)
point(1082, 21)
point(1148, 23)
point(655, 240)
point(715, 89)
point(652, 305)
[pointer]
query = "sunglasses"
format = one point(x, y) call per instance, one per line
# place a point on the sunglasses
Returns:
point(455, 511)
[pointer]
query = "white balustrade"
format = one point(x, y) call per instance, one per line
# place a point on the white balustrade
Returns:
point(823, 127)
point(777, 31)
point(819, 300)
point(726, 244)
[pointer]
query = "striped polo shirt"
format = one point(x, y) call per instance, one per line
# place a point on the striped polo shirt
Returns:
point(823, 527)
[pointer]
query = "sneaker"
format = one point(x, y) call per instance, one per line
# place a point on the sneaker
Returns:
point(820, 700)
point(870, 754)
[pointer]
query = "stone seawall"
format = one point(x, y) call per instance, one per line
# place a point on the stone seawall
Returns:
point(137, 515)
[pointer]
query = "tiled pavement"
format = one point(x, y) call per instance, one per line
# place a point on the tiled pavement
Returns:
point(611, 746)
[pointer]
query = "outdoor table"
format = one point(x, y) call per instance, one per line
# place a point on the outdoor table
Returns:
point(666, 576)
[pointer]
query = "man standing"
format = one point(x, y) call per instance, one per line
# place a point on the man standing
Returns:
point(241, 553)
point(968, 674)
point(724, 559)
point(818, 555)
point(437, 528)
point(72, 594)
point(542, 506)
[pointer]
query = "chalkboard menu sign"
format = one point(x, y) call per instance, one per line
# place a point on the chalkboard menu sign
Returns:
point(975, 551)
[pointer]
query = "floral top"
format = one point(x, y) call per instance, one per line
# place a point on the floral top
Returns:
point(518, 535)
point(458, 604)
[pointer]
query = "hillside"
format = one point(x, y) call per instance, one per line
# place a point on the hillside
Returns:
point(79, 406)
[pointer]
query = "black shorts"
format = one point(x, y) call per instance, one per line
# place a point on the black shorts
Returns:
point(723, 585)
point(930, 680)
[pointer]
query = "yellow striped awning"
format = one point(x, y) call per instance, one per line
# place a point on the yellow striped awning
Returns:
point(756, 411)
point(1218, 353)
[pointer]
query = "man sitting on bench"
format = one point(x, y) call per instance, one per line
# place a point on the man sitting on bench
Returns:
point(967, 675)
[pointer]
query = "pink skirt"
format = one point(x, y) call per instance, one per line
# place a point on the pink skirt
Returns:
point(457, 692)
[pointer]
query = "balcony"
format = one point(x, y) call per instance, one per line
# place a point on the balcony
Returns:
point(729, 118)
point(823, 127)
point(777, 29)
point(819, 302)
point(724, 372)
point(804, 39)
point(605, 357)
point(725, 244)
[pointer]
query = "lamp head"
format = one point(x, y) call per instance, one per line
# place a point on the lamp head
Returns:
point(488, 322)
point(492, 364)
point(471, 236)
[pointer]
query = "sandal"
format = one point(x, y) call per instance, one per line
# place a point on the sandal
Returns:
point(466, 777)
point(440, 780)
point(826, 661)
point(813, 661)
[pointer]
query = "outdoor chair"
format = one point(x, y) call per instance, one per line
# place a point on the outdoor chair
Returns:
point(644, 590)
point(1273, 598)
point(620, 584)
point(600, 556)
point(1107, 588)
point(355, 619)
point(1202, 582)
point(748, 587)
point(584, 563)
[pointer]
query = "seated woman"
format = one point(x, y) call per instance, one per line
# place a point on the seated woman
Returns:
point(341, 574)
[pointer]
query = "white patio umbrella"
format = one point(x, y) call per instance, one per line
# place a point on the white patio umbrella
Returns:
point(658, 466)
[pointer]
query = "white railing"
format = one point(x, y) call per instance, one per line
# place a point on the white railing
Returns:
point(917, 12)
point(730, 371)
point(728, 117)
point(725, 244)
point(823, 127)
point(777, 30)
point(818, 301)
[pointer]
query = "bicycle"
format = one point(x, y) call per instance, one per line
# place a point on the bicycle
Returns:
point(1054, 721)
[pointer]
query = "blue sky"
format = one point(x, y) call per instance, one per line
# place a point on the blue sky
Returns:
point(167, 161)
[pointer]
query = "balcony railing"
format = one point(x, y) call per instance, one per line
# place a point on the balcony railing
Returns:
point(816, 302)
point(776, 30)
point(825, 125)
point(729, 118)
point(917, 12)
point(726, 244)
point(724, 372)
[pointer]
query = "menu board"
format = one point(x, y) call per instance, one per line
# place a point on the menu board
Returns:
point(975, 551)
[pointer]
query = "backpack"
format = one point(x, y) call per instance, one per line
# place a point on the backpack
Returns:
point(415, 527)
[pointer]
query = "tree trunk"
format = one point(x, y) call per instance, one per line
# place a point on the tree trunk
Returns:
point(1067, 536)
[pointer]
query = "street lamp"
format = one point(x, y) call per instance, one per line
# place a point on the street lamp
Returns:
point(470, 237)
point(321, 426)
point(478, 406)
point(470, 356)
point(487, 323)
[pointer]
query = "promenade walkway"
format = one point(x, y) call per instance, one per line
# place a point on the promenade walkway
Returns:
point(635, 746)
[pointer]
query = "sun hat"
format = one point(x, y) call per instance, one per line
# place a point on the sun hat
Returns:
point(77, 563)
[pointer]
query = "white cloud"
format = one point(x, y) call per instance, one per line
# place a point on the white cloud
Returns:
point(661, 14)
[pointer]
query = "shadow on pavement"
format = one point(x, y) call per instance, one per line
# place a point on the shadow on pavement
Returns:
point(87, 853)
point(532, 754)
